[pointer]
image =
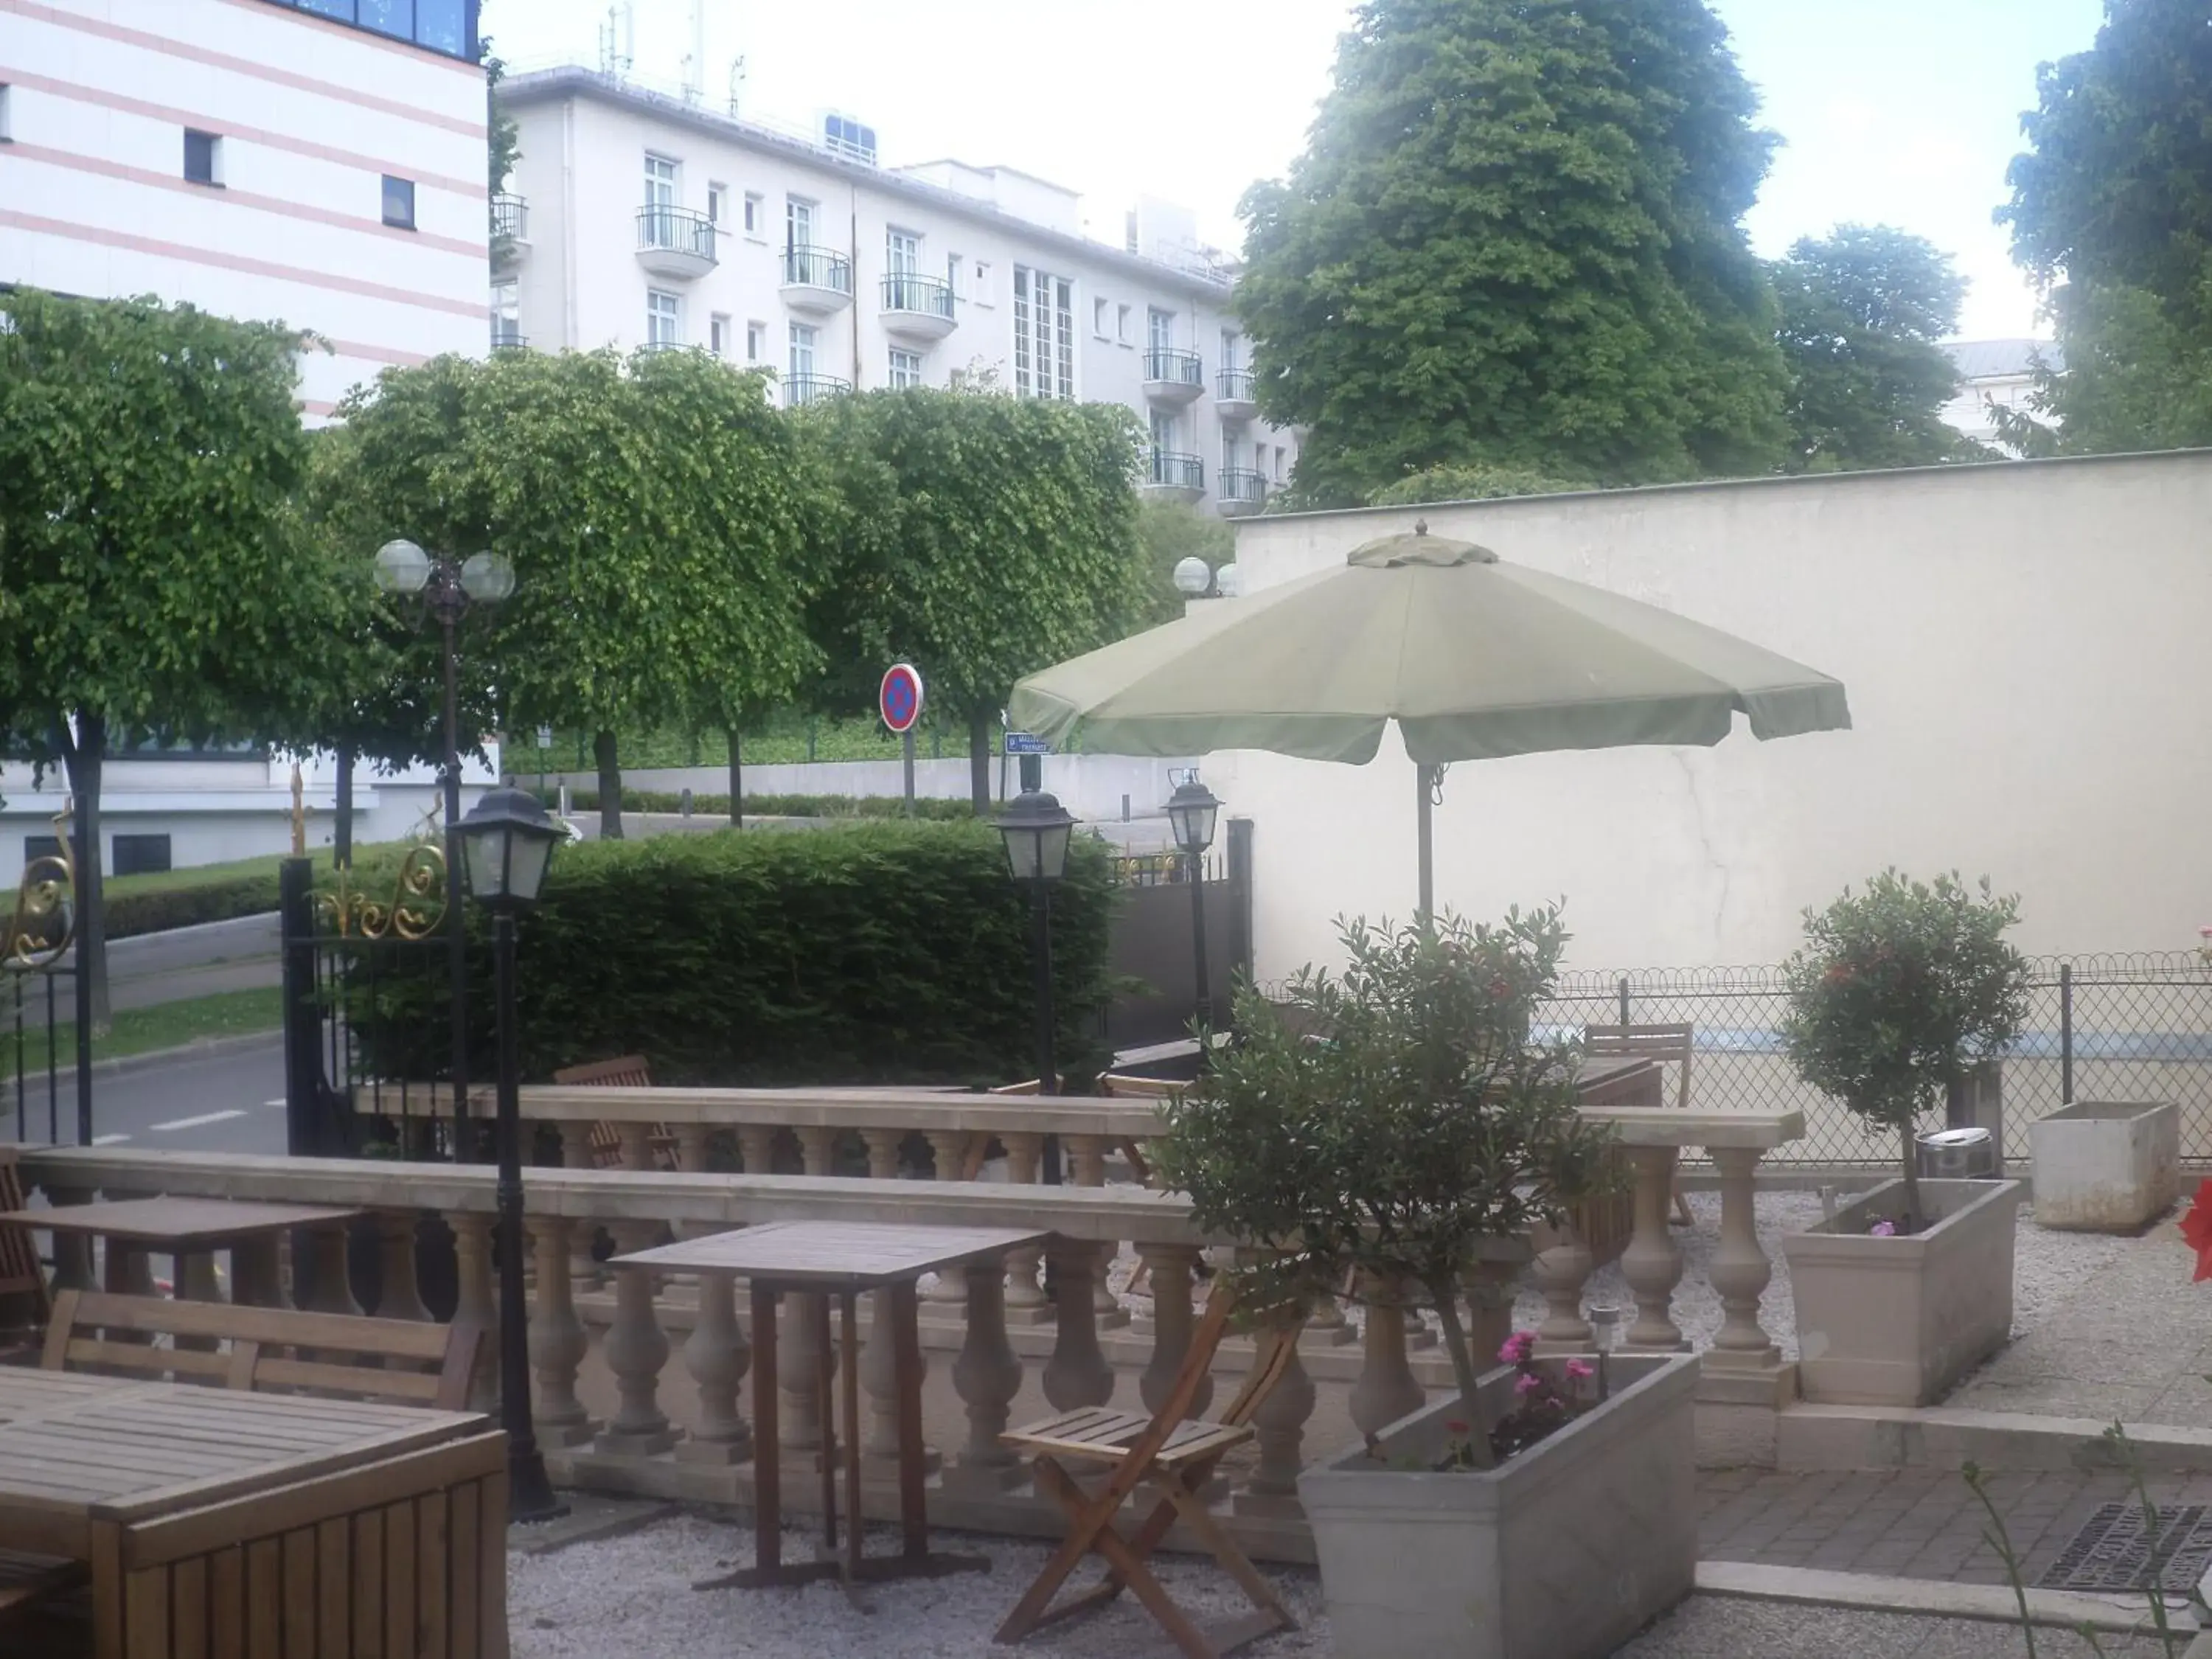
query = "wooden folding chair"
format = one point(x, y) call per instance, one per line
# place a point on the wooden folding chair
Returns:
point(1174, 1459)
point(22, 1281)
point(1663, 1045)
point(627, 1072)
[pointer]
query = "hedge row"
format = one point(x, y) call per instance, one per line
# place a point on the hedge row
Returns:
point(162, 908)
point(861, 953)
point(773, 807)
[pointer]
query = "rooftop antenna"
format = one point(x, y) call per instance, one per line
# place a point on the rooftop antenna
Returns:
point(618, 39)
point(695, 61)
point(737, 80)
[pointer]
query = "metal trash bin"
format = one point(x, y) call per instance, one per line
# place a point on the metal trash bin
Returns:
point(1958, 1154)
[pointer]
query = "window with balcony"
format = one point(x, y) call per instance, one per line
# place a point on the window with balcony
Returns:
point(399, 203)
point(1232, 346)
point(663, 318)
point(1044, 334)
point(901, 252)
point(798, 222)
point(202, 157)
point(1159, 328)
point(660, 181)
point(905, 368)
point(803, 338)
point(506, 316)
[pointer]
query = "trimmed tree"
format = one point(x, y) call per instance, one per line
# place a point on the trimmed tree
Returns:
point(979, 537)
point(1168, 532)
point(1514, 239)
point(2110, 217)
point(157, 581)
point(654, 512)
point(1896, 994)
point(1862, 312)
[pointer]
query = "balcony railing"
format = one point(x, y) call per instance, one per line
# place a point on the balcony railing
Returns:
point(1175, 366)
point(800, 390)
point(817, 267)
point(675, 230)
point(510, 217)
point(930, 296)
point(507, 336)
point(1241, 483)
point(1234, 385)
point(1174, 470)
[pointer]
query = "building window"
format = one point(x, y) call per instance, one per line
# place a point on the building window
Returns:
point(982, 294)
point(756, 342)
point(42, 846)
point(1232, 345)
point(803, 337)
point(798, 222)
point(660, 182)
point(399, 203)
point(906, 369)
point(441, 25)
point(663, 318)
point(1278, 463)
point(506, 316)
point(1159, 328)
point(901, 252)
point(202, 157)
point(139, 855)
point(716, 194)
point(753, 214)
point(1098, 319)
point(718, 335)
point(6, 132)
point(1044, 334)
point(1121, 323)
point(955, 268)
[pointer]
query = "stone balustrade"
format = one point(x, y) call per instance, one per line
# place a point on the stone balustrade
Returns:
point(657, 1404)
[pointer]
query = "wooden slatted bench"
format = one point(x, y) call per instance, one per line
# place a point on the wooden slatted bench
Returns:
point(399, 1361)
point(24, 1578)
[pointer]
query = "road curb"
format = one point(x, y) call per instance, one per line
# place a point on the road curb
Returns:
point(198, 1049)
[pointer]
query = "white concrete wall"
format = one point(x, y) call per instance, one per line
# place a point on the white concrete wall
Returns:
point(311, 114)
point(581, 171)
point(2024, 645)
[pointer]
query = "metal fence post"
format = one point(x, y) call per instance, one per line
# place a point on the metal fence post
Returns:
point(303, 1125)
point(1240, 899)
point(2065, 1034)
point(1624, 999)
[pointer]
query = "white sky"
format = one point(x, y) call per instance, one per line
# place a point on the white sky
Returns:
point(1897, 112)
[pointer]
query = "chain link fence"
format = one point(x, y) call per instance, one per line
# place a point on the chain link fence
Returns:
point(2102, 1027)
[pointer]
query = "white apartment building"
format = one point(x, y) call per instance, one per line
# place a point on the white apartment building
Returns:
point(316, 161)
point(640, 219)
point(1995, 375)
point(320, 162)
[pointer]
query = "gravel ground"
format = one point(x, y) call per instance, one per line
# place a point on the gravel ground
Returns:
point(631, 1598)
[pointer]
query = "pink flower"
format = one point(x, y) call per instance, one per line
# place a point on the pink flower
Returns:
point(1577, 1371)
point(1518, 1347)
point(1528, 1383)
point(1883, 1229)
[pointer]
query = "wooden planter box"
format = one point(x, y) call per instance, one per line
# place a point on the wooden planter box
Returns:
point(2106, 1166)
point(1896, 1322)
point(1562, 1552)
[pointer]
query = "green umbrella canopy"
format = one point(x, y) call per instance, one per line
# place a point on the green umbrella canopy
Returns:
point(1473, 658)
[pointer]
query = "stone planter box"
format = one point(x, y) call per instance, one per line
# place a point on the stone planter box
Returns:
point(1896, 1322)
point(1562, 1552)
point(2106, 1166)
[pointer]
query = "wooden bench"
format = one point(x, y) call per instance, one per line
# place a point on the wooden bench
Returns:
point(22, 1281)
point(400, 1361)
point(628, 1072)
point(27, 1578)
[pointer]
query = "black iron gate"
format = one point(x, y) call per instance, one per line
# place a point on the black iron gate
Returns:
point(44, 1038)
point(373, 1066)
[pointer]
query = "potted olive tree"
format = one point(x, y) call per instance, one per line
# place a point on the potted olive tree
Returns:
point(1899, 992)
point(1391, 1126)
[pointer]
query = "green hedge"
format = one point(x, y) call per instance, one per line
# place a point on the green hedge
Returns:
point(157, 912)
point(772, 806)
point(861, 953)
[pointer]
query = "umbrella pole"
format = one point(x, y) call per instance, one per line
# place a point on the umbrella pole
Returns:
point(1427, 842)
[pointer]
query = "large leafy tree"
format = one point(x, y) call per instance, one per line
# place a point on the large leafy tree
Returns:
point(1862, 312)
point(1513, 240)
point(2111, 215)
point(979, 537)
point(653, 510)
point(154, 579)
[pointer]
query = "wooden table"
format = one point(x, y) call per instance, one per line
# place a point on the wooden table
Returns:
point(216, 1522)
point(842, 1259)
point(175, 1227)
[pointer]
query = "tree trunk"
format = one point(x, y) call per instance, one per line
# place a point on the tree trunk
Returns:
point(1912, 1218)
point(603, 752)
point(737, 782)
point(979, 761)
point(341, 837)
point(83, 759)
point(1444, 1295)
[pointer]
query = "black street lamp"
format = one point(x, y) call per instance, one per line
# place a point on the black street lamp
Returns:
point(508, 841)
point(448, 588)
point(1192, 811)
point(1036, 827)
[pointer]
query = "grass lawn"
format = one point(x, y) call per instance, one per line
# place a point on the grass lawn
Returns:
point(143, 1031)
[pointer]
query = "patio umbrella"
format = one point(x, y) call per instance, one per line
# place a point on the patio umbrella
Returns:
point(1473, 658)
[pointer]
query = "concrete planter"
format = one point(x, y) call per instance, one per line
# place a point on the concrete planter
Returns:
point(1562, 1552)
point(2106, 1166)
point(1896, 1322)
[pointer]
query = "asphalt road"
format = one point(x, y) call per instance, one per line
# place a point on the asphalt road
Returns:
point(230, 1101)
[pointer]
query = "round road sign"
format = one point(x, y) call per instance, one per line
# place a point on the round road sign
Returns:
point(900, 699)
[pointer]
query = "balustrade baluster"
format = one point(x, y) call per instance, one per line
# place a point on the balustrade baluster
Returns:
point(1026, 1304)
point(1172, 1268)
point(1386, 1390)
point(986, 1377)
point(477, 1301)
point(557, 1340)
point(1561, 1269)
point(329, 1289)
point(800, 1383)
point(948, 1149)
point(401, 1294)
point(1088, 1155)
point(584, 1270)
point(1280, 1422)
point(1077, 1374)
point(1652, 1264)
point(757, 1148)
point(717, 1356)
point(883, 1152)
point(1739, 1268)
point(636, 1351)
